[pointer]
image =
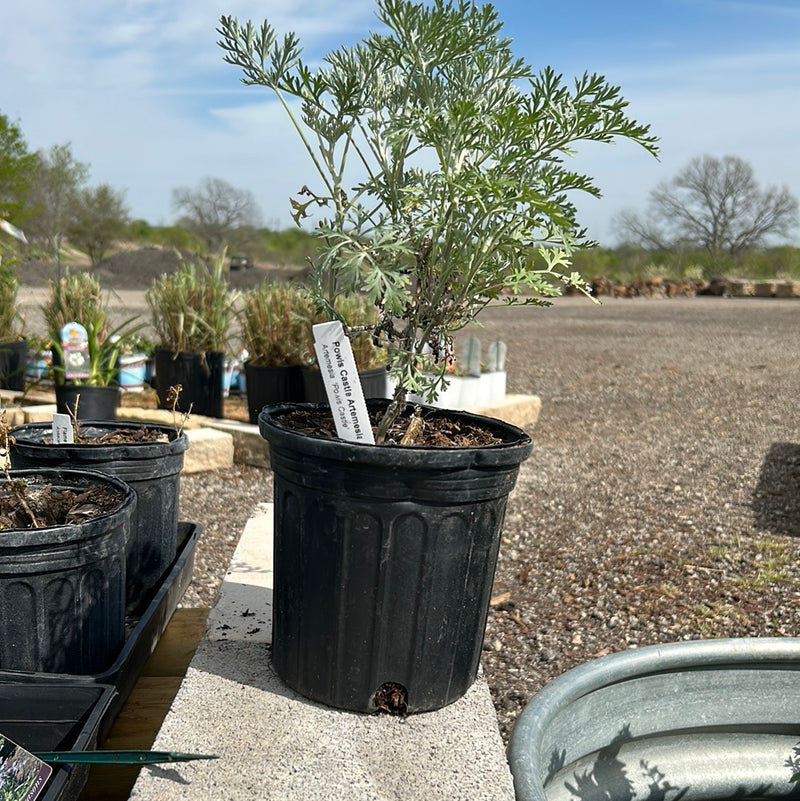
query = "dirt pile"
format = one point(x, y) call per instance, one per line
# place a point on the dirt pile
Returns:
point(137, 268)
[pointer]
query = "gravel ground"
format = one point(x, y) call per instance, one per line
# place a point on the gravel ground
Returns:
point(660, 503)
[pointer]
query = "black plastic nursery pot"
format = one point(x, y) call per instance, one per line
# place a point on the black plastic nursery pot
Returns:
point(93, 403)
point(267, 386)
point(13, 356)
point(374, 384)
point(384, 559)
point(200, 376)
point(62, 588)
point(151, 469)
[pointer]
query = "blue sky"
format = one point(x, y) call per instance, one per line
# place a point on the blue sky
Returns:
point(139, 89)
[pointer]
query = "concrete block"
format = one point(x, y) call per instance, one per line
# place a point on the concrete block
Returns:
point(518, 410)
point(249, 447)
point(163, 417)
point(274, 744)
point(787, 289)
point(208, 450)
point(41, 413)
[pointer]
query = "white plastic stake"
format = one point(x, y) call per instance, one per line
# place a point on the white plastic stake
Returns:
point(342, 383)
point(63, 433)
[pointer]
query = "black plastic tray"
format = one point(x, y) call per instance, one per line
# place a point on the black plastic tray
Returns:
point(144, 635)
point(43, 713)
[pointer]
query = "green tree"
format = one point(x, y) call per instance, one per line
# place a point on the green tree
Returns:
point(715, 205)
point(17, 171)
point(59, 178)
point(98, 217)
point(215, 210)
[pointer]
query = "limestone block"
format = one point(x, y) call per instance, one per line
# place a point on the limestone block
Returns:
point(208, 450)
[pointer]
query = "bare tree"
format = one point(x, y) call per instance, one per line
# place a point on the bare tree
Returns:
point(215, 210)
point(714, 204)
point(98, 217)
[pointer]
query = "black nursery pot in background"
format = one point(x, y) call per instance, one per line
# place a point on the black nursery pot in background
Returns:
point(384, 562)
point(151, 469)
point(13, 356)
point(267, 386)
point(374, 384)
point(199, 374)
point(93, 402)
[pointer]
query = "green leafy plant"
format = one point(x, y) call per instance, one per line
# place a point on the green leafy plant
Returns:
point(441, 165)
point(193, 308)
point(79, 297)
point(793, 762)
point(11, 321)
point(361, 315)
point(275, 320)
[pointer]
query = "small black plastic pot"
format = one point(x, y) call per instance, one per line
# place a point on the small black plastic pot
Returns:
point(201, 377)
point(13, 356)
point(267, 386)
point(151, 469)
point(62, 588)
point(384, 559)
point(94, 403)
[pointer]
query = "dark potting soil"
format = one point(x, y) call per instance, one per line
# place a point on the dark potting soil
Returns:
point(119, 436)
point(432, 430)
point(52, 507)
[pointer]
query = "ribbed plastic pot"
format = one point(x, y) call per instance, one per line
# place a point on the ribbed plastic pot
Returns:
point(384, 560)
point(94, 403)
point(267, 386)
point(62, 588)
point(151, 469)
point(201, 376)
point(13, 356)
point(708, 719)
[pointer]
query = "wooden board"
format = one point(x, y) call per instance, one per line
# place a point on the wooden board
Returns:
point(140, 719)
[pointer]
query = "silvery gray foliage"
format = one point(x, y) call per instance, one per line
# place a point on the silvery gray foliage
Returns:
point(441, 168)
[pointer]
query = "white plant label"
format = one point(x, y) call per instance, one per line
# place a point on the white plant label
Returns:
point(63, 433)
point(75, 349)
point(342, 383)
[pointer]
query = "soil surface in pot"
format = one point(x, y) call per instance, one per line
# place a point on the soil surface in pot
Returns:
point(24, 506)
point(119, 436)
point(437, 431)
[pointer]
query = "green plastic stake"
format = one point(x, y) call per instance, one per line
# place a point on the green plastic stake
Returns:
point(118, 757)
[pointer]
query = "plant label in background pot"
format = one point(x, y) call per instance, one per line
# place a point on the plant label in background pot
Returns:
point(63, 433)
point(342, 384)
point(75, 347)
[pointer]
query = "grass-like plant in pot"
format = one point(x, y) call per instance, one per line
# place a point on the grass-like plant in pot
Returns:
point(439, 161)
point(370, 358)
point(274, 322)
point(193, 310)
point(79, 297)
point(13, 347)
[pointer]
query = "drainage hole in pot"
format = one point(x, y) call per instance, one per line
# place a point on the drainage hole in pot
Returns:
point(392, 697)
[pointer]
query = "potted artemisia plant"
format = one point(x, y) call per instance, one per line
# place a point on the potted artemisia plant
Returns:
point(439, 174)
